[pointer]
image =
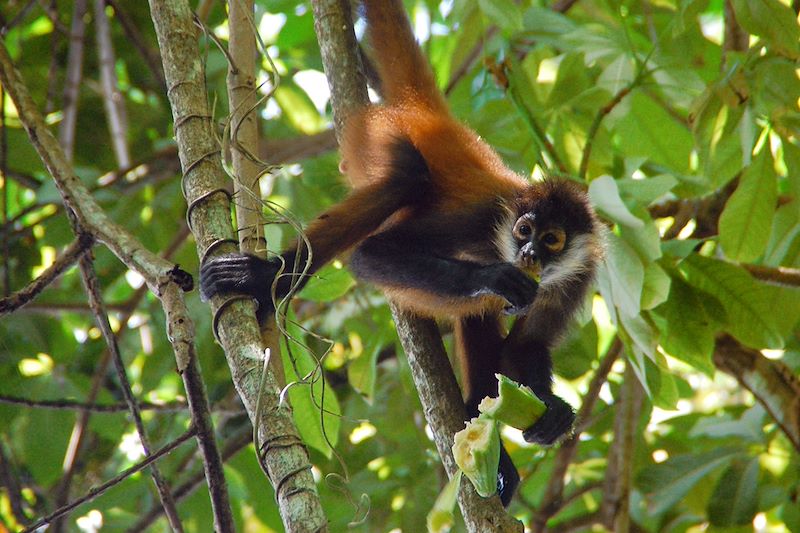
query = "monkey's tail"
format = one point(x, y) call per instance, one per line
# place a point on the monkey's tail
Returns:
point(405, 74)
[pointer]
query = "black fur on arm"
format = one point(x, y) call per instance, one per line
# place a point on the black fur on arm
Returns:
point(333, 232)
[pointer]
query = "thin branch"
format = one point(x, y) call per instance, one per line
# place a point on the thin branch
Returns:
point(553, 498)
point(166, 280)
point(135, 37)
point(68, 258)
point(4, 172)
point(113, 101)
point(562, 6)
point(12, 489)
point(469, 60)
point(72, 405)
point(598, 119)
point(97, 491)
point(615, 509)
point(75, 446)
point(18, 18)
point(779, 275)
point(101, 316)
point(74, 75)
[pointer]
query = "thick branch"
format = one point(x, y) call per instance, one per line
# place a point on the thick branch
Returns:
point(283, 455)
point(772, 383)
point(433, 376)
point(445, 413)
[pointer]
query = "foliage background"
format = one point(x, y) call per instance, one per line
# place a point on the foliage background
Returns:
point(692, 119)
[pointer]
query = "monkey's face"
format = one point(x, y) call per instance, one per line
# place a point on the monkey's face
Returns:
point(538, 244)
point(555, 232)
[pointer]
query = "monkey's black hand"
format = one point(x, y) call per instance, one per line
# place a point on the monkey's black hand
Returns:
point(240, 274)
point(554, 423)
point(509, 282)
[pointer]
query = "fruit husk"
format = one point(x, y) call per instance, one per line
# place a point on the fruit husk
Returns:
point(516, 405)
point(476, 450)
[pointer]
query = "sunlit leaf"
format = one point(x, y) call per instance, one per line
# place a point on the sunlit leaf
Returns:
point(746, 222)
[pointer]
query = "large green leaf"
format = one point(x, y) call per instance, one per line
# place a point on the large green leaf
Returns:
point(648, 130)
point(687, 332)
point(752, 317)
point(667, 483)
point(623, 273)
point(773, 20)
point(784, 242)
point(315, 407)
point(605, 196)
point(735, 500)
point(746, 222)
point(504, 13)
point(330, 283)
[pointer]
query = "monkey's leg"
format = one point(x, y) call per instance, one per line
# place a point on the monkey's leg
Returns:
point(478, 344)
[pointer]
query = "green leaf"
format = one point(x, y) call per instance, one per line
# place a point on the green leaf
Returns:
point(785, 236)
point(647, 190)
point(648, 130)
point(667, 483)
point(576, 353)
point(735, 499)
point(315, 407)
point(687, 336)
point(604, 194)
point(361, 372)
point(328, 284)
point(656, 286)
point(298, 107)
point(645, 239)
point(504, 13)
point(716, 131)
point(746, 222)
point(751, 315)
point(542, 23)
point(624, 274)
point(773, 20)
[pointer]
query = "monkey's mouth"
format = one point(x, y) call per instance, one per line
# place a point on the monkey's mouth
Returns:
point(529, 264)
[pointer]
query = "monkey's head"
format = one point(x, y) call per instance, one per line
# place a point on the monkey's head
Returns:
point(556, 232)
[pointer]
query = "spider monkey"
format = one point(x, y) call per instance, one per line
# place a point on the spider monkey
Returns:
point(446, 230)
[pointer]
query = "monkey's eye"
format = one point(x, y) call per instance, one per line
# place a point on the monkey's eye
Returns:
point(554, 240)
point(522, 229)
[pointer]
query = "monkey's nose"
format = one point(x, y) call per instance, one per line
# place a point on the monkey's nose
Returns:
point(528, 252)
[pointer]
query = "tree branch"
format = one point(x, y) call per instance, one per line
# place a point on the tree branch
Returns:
point(282, 454)
point(68, 258)
point(773, 384)
point(165, 280)
point(441, 400)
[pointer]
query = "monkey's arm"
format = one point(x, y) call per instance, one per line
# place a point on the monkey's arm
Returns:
point(331, 233)
point(416, 259)
point(526, 351)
